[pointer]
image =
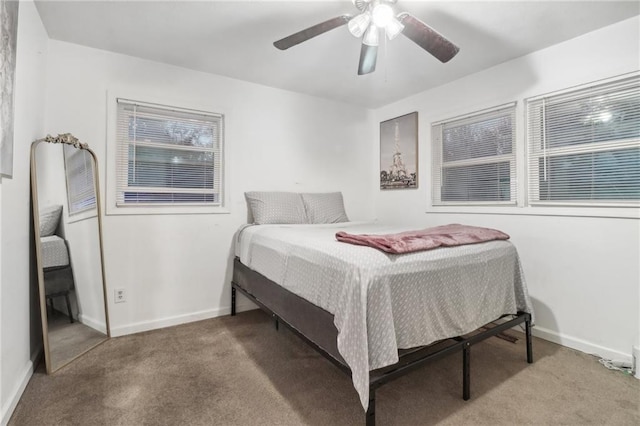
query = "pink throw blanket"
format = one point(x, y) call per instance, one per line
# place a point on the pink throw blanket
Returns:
point(424, 239)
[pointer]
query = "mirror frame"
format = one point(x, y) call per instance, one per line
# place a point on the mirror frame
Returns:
point(69, 139)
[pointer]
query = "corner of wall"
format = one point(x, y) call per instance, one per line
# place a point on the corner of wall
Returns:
point(20, 338)
point(24, 376)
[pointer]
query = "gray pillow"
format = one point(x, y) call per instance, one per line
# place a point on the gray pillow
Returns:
point(49, 219)
point(325, 207)
point(275, 207)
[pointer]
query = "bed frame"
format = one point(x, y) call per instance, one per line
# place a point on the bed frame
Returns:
point(315, 326)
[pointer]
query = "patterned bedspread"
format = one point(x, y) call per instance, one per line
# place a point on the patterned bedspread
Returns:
point(384, 302)
point(54, 252)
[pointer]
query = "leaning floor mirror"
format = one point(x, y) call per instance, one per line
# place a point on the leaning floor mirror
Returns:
point(68, 245)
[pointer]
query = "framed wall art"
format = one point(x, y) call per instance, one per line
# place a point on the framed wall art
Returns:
point(9, 38)
point(399, 152)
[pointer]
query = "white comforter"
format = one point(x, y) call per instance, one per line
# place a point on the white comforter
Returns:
point(382, 302)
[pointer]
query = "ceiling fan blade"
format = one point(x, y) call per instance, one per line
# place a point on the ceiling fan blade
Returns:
point(427, 38)
point(368, 57)
point(311, 32)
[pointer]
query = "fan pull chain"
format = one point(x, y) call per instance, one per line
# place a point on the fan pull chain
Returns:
point(386, 62)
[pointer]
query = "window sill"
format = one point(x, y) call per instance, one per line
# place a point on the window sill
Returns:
point(171, 210)
point(597, 212)
point(82, 216)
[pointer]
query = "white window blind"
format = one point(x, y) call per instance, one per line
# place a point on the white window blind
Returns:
point(81, 190)
point(584, 146)
point(474, 158)
point(167, 156)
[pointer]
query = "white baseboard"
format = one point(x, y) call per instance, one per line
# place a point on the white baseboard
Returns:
point(178, 319)
point(580, 345)
point(16, 394)
point(245, 305)
point(93, 323)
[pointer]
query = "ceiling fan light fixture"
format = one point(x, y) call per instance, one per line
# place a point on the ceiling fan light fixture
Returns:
point(361, 4)
point(381, 15)
point(359, 24)
point(372, 36)
point(393, 28)
point(373, 17)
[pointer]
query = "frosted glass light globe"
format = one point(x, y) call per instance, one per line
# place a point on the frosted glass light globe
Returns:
point(381, 15)
point(359, 24)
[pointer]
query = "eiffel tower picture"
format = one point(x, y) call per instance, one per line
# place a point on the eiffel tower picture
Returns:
point(399, 152)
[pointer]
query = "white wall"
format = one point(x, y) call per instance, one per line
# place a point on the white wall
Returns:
point(50, 175)
point(583, 273)
point(84, 252)
point(19, 316)
point(176, 268)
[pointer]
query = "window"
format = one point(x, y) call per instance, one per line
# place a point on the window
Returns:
point(81, 191)
point(584, 145)
point(474, 158)
point(167, 156)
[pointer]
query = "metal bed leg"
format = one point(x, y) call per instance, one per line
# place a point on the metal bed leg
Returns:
point(277, 324)
point(527, 324)
point(233, 301)
point(371, 411)
point(466, 373)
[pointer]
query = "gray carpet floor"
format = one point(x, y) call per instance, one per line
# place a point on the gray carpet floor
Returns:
point(241, 371)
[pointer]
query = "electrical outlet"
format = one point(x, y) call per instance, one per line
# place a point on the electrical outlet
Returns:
point(120, 295)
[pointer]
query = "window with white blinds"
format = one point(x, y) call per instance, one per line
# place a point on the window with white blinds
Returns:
point(81, 190)
point(584, 146)
point(167, 156)
point(474, 158)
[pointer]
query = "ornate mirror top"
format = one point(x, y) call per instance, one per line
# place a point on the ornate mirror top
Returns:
point(66, 138)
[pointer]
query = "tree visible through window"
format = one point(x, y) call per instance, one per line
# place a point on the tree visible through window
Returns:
point(474, 160)
point(584, 145)
point(168, 156)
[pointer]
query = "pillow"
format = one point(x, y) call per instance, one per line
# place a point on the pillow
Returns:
point(325, 207)
point(275, 207)
point(49, 218)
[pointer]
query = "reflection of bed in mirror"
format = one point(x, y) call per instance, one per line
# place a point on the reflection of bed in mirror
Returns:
point(68, 248)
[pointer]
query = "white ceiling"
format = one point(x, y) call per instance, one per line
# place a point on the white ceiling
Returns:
point(234, 39)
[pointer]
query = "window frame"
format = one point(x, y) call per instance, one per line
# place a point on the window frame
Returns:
point(437, 163)
point(534, 153)
point(111, 205)
point(91, 210)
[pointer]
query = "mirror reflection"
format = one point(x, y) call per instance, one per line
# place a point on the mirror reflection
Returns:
point(68, 248)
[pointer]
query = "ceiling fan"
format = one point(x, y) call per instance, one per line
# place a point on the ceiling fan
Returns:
point(377, 15)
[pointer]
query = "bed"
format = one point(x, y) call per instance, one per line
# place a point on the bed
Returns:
point(57, 272)
point(378, 316)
